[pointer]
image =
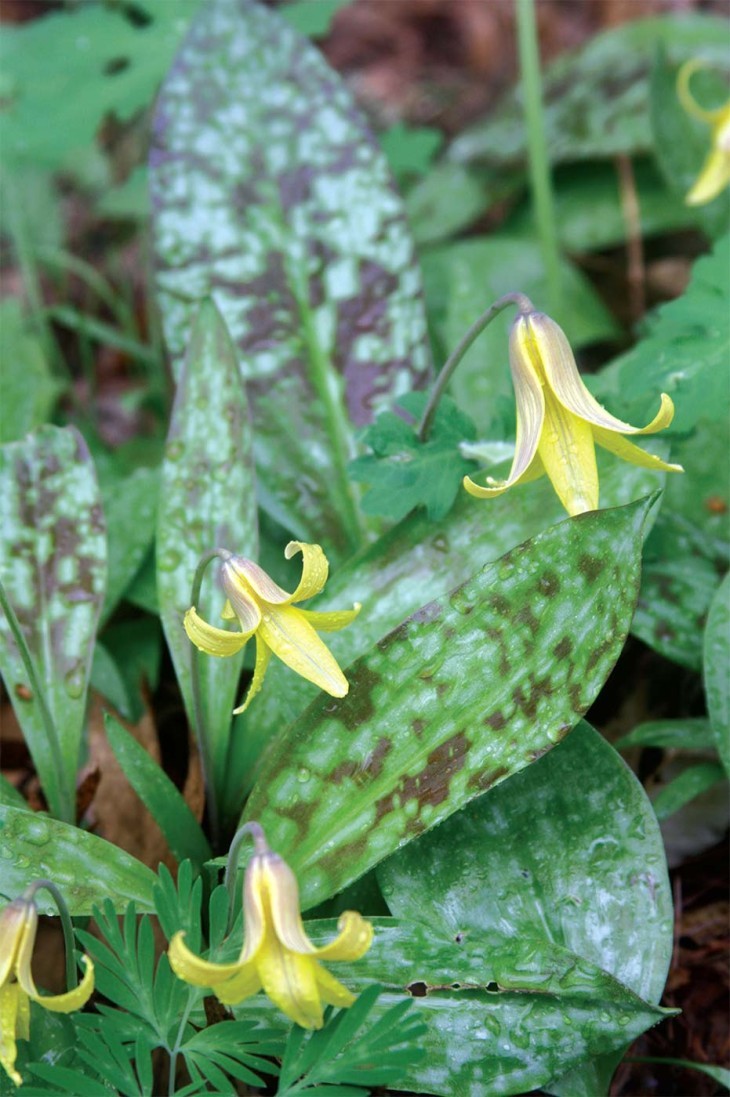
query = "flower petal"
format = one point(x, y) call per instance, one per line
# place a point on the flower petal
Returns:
point(534, 471)
point(14, 1013)
point(255, 905)
point(627, 451)
point(193, 969)
point(713, 178)
point(353, 940)
point(331, 620)
point(565, 381)
point(569, 456)
point(56, 1003)
point(241, 985)
point(242, 578)
point(238, 593)
point(212, 640)
point(289, 980)
point(263, 655)
point(315, 570)
point(331, 990)
point(13, 922)
point(686, 97)
point(294, 641)
point(282, 893)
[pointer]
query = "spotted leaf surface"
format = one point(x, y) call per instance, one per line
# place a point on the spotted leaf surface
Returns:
point(471, 688)
point(207, 500)
point(270, 193)
point(568, 851)
point(53, 572)
point(86, 868)
point(415, 560)
point(503, 1014)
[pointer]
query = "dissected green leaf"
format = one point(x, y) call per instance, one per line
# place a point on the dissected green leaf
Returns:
point(270, 193)
point(681, 734)
point(715, 664)
point(54, 571)
point(28, 392)
point(64, 72)
point(541, 861)
point(463, 279)
point(410, 149)
point(157, 792)
point(207, 501)
point(86, 868)
point(527, 1009)
point(690, 783)
point(392, 576)
point(403, 473)
point(471, 688)
point(596, 97)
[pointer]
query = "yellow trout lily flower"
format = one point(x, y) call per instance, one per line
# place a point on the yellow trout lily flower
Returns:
point(715, 174)
point(18, 927)
point(559, 423)
point(277, 954)
point(265, 610)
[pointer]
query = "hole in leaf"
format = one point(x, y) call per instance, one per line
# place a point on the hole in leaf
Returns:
point(418, 990)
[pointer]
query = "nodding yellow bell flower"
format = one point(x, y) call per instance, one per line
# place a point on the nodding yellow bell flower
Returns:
point(18, 927)
point(559, 423)
point(715, 174)
point(277, 954)
point(265, 610)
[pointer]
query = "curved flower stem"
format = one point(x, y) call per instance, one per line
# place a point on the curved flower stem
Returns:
point(523, 303)
point(540, 180)
point(68, 930)
point(200, 728)
point(229, 879)
point(65, 806)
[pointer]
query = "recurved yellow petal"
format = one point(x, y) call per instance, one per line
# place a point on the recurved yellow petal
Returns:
point(13, 1002)
point(330, 620)
point(568, 453)
point(212, 640)
point(59, 1003)
point(686, 97)
point(289, 980)
point(13, 921)
point(280, 884)
point(193, 969)
point(294, 641)
point(614, 443)
point(331, 991)
point(713, 178)
point(263, 657)
point(241, 985)
point(353, 940)
point(315, 570)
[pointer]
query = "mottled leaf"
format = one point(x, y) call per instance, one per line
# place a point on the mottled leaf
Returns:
point(54, 570)
point(716, 661)
point(417, 558)
point(86, 868)
point(157, 792)
point(207, 501)
point(270, 193)
point(526, 1009)
point(536, 860)
point(596, 97)
point(471, 688)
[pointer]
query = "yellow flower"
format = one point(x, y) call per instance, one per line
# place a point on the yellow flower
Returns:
point(559, 423)
point(277, 954)
point(715, 174)
point(264, 609)
point(18, 926)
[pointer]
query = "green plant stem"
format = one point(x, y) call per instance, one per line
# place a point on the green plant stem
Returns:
point(540, 179)
point(66, 799)
point(524, 305)
point(200, 729)
point(229, 879)
point(68, 930)
point(175, 1051)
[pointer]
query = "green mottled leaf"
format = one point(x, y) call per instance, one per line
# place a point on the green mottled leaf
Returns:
point(402, 472)
point(390, 577)
point(586, 871)
point(130, 510)
point(686, 734)
point(270, 193)
point(86, 868)
point(691, 782)
point(680, 577)
point(716, 661)
point(54, 570)
point(28, 392)
point(596, 97)
point(423, 730)
point(526, 1008)
point(157, 792)
point(207, 501)
point(461, 281)
point(64, 72)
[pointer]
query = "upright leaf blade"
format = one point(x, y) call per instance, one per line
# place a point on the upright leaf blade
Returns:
point(54, 571)
point(471, 688)
point(715, 669)
point(207, 500)
point(270, 193)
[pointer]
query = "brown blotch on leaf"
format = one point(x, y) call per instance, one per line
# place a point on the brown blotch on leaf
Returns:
point(590, 566)
point(549, 584)
point(563, 648)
